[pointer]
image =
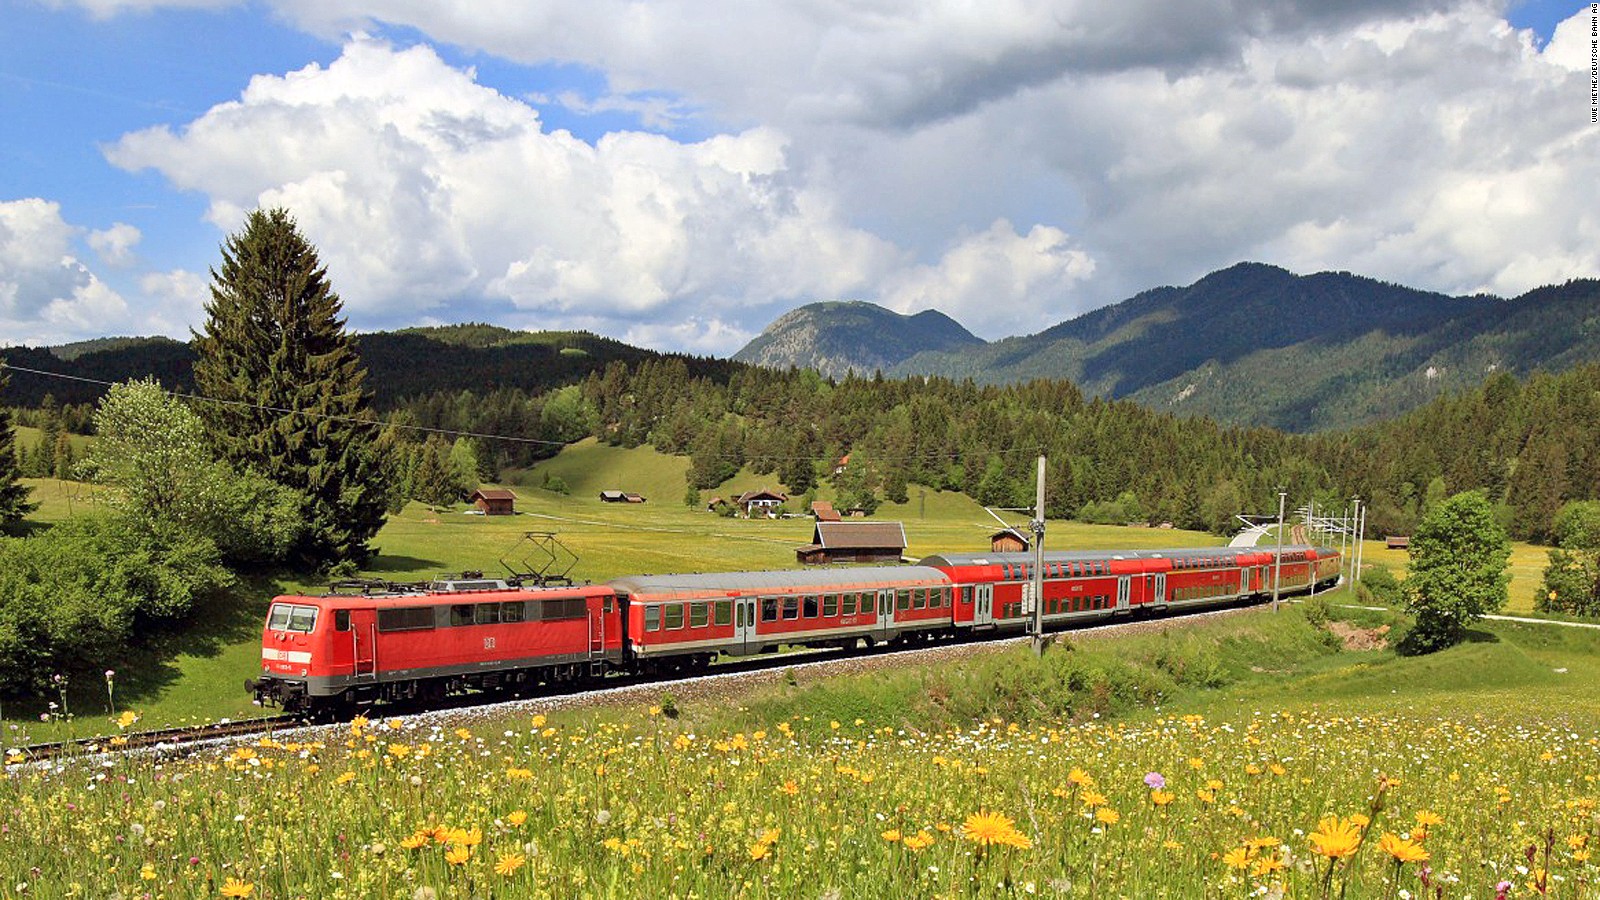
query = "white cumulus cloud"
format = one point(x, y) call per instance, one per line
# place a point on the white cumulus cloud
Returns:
point(45, 291)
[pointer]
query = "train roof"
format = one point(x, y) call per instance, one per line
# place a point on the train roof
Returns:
point(454, 594)
point(1063, 556)
point(857, 578)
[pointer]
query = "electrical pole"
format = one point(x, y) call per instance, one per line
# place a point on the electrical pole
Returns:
point(1311, 538)
point(1038, 564)
point(1356, 517)
point(1361, 535)
point(1277, 562)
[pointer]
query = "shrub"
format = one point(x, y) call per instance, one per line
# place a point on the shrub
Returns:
point(1458, 571)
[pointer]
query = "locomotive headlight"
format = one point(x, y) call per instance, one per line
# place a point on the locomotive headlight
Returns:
point(304, 671)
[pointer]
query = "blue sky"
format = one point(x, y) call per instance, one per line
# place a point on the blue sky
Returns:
point(678, 174)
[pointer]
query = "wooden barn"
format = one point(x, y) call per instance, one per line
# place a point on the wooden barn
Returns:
point(824, 511)
point(839, 542)
point(495, 501)
point(1009, 540)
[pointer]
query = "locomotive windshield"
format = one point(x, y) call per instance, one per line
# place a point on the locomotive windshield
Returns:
point(291, 617)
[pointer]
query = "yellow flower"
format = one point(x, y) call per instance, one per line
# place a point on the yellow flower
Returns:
point(455, 856)
point(1360, 820)
point(1161, 798)
point(1092, 799)
point(1426, 819)
point(985, 828)
point(127, 718)
point(892, 835)
point(509, 863)
point(346, 778)
point(538, 721)
point(790, 788)
point(1108, 816)
point(1335, 838)
point(1237, 858)
point(147, 872)
point(233, 887)
point(1402, 850)
point(922, 840)
point(416, 840)
point(1266, 865)
point(517, 817)
point(1080, 778)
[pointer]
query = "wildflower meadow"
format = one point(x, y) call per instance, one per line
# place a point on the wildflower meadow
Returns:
point(1264, 803)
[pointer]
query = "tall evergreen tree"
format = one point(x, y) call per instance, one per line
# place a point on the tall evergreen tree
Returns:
point(13, 493)
point(289, 396)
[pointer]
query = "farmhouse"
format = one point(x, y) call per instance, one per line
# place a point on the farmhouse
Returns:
point(761, 503)
point(835, 542)
point(495, 501)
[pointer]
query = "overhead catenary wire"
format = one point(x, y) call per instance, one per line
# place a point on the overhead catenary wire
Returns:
point(448, 432)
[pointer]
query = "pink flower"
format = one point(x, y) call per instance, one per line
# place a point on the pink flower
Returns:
point(1155, 781)
point(1501, 890)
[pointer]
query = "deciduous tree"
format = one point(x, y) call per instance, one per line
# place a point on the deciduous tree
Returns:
point(1458, 570)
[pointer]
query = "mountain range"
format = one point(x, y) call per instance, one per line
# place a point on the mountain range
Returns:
point(1252, 344)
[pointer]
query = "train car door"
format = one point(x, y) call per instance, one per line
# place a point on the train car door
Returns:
point(885, 614)
point(597, 626)
point(1160, 596)
point(744, 624)
point(983, 606)
point(364, 638)
point(1124, 590)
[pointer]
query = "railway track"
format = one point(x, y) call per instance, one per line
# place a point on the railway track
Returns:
point(618, 687)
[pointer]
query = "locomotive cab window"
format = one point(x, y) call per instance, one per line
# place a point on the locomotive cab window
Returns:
point(341, 620)
point(292, 617)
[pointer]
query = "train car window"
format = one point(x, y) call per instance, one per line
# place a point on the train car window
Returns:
point(848, 605)
point(674, 616)
point(919, 599)
point(724, 612)
point(830, 605)
point(486, 614)
point(513, 612)
point(902, 600)
point(341, 620)
point(572, 608)
point(791, 607)
point(652, 618)
point(461, 614)
point(699, 614)
point(966, 595)
point(769, 609)
point(408, 618)
point(813, 605)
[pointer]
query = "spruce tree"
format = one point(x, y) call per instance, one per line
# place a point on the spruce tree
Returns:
point(13, 493)
point(286, 387)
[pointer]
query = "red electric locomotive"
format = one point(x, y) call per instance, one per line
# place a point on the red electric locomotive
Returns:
point(334, 652)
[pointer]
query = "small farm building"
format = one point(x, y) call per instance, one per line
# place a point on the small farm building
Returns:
point(835, 542)
point(1008, 540)
point(761, 503)
point(495, 501)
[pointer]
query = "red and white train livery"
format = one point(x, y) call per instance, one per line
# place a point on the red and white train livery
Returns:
point(335, 652)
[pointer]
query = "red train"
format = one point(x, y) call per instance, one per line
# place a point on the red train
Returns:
point(332, 653)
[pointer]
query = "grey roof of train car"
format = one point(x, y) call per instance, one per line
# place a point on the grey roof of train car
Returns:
point(789, 578)
point(1054, 556)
